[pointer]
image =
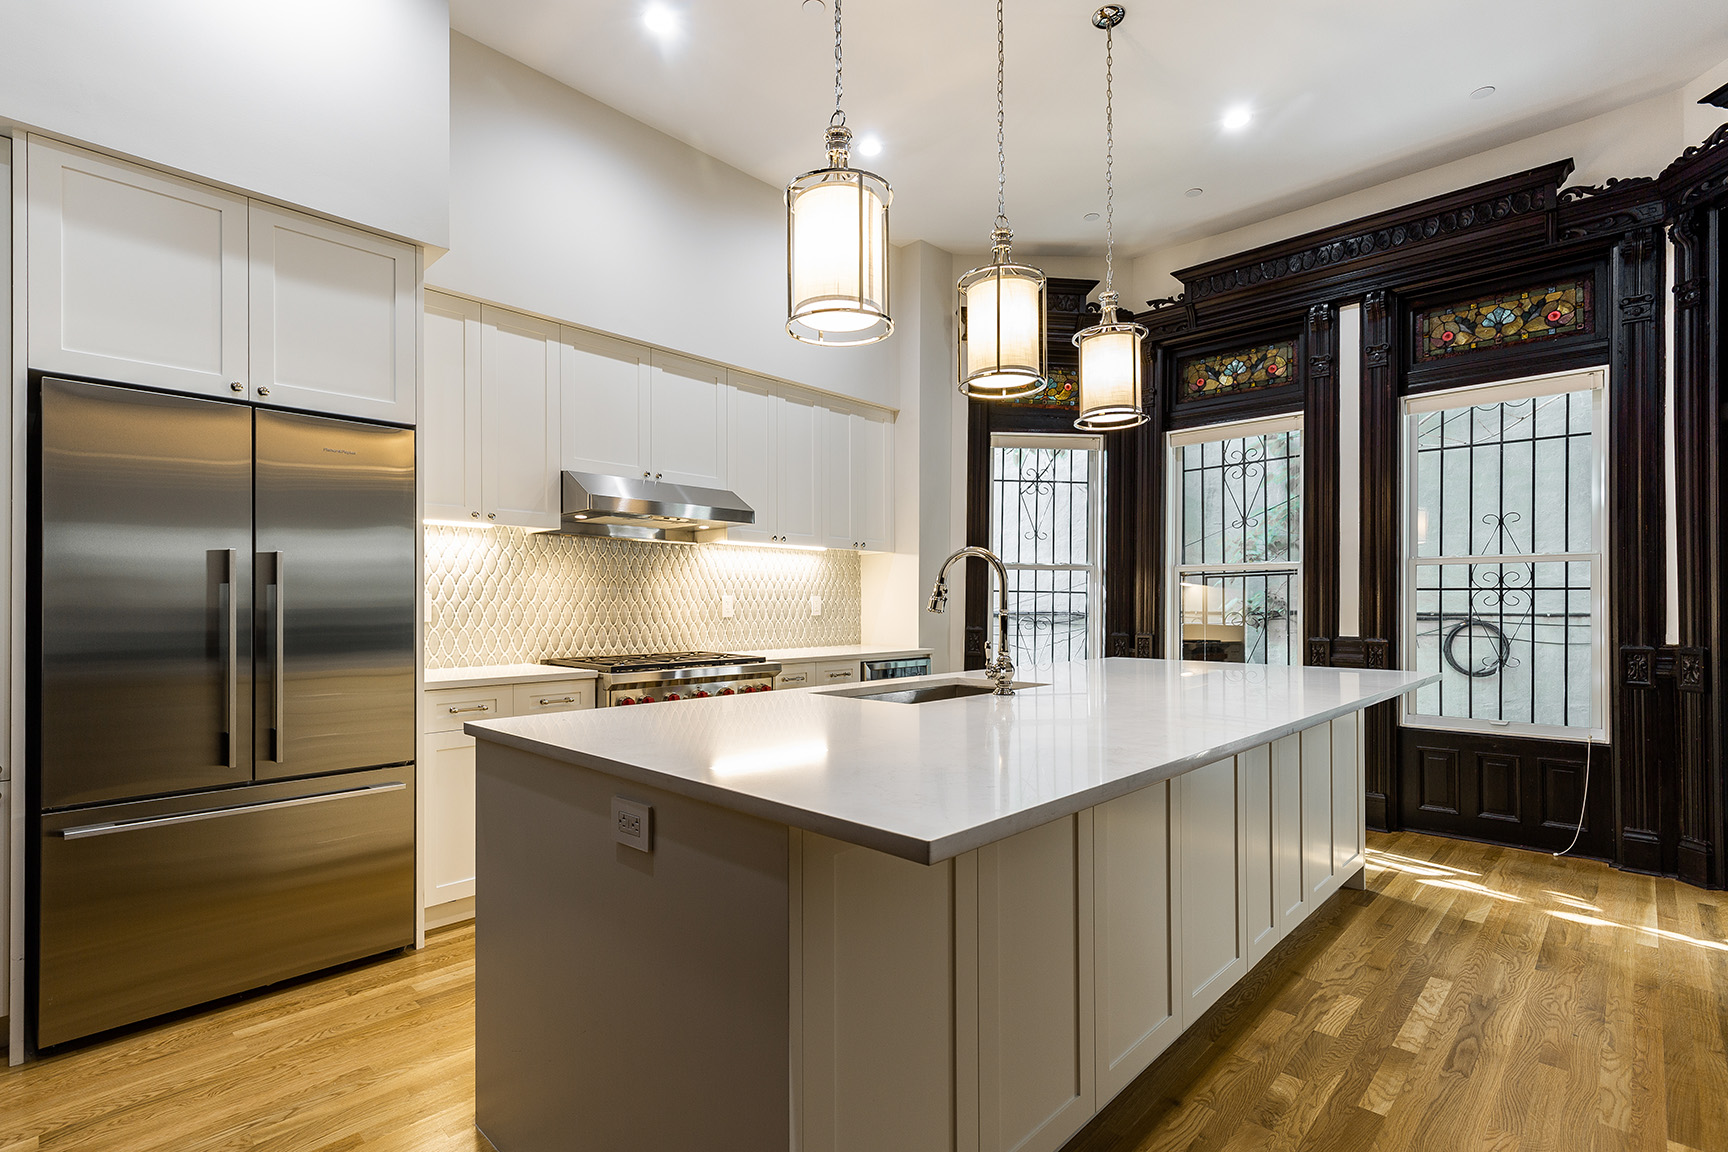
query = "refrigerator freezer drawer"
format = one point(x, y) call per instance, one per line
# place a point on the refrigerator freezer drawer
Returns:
point(151, 907)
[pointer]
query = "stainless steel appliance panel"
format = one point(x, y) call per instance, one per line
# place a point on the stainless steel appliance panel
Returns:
point(335, 595)
point(145, 565)
point(159, 905)
point(896, 668)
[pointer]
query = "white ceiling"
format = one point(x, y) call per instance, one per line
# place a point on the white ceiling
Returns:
point(1346, 94)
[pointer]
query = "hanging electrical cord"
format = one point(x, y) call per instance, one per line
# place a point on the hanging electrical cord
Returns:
point(1584, 804)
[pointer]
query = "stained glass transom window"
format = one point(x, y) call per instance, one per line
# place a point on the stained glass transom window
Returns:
point(1062, 392)
point(1504, 319)
point(1241, 370)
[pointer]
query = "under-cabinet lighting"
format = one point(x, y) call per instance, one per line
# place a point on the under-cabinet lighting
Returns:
point(769, 544)
point(454, 524)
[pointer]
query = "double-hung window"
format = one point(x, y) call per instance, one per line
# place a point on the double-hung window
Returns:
point(1236, 542)
point(1504, 579)
point(1047, 525)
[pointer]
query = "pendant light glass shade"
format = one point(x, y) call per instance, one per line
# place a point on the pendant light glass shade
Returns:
point(1112, 385)
point(1003, 328)
point(837, 252)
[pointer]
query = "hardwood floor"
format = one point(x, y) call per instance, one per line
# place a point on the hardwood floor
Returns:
point(373, 1058)
point(1473, 998)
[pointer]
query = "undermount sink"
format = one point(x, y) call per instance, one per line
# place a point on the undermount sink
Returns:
point(921, 693)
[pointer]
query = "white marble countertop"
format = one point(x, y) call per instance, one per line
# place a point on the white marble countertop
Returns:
point(930, 781)
point(484, 675)
point(839, 652)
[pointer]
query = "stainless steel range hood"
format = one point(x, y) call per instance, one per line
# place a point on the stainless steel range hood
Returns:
point(639, 509)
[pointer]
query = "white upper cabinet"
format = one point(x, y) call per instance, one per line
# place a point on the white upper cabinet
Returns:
point(798, 488)
point(451, 444)
point(834, 452)
point(871, 448)
point(144, 278)
point(686, 421)
point(604, 383)
point(752, 408)
point(134, 275)
point(332, 317)
point(520, 401)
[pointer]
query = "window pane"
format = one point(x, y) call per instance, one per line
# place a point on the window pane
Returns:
point(1242, 500)
point(1046, 615)
point(1240, 617)
point(1510, 641)
point(1041, 514)
point(1512, 478)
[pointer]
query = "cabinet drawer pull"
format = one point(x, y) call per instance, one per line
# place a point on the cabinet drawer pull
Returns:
point(545, 700)
point(839, 675)
point(455, 711)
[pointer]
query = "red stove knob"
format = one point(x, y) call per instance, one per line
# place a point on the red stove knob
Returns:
point(627, 700)
point(725, 691)
point(766, 688)
point(701, 695)
point(647, 699)
point(673, 696)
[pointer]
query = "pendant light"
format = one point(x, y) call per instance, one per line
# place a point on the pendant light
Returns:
point(1111, 364)
point(837, 242)
point(1002, 317)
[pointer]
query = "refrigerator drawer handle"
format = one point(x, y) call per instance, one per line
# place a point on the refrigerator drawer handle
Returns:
point(85, 831)
point(455, 711)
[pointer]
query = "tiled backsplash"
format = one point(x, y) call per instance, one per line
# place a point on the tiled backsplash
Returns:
point(507, 596)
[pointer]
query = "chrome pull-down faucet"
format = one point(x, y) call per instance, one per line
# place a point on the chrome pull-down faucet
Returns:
point(997, 665)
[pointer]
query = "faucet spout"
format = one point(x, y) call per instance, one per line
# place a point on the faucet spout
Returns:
point(997, 664)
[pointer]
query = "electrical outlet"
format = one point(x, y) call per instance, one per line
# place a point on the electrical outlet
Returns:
point(633, 824)
point(728, 606)
point(815, 605)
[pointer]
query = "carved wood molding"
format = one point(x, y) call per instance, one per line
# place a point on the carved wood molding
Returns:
point(1637, 667)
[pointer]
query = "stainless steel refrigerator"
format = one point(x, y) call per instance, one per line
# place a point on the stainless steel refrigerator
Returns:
point(222, 694)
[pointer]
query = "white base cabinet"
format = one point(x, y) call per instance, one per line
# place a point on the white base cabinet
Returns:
point(1079, 950)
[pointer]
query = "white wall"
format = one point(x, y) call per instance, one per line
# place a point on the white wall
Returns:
point(1637, 140)
point(563, 206)
point(340, 106)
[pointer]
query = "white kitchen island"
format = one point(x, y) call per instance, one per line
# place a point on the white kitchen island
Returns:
point(960, 925)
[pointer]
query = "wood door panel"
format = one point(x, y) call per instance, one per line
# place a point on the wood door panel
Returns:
point(1513, 790)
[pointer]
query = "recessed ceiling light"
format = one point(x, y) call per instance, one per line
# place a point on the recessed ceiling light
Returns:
point(870, 146)
point(1193, 192)
point(1237, 118)
point(1483, 92)
point(1090, 216)
point(660, 20)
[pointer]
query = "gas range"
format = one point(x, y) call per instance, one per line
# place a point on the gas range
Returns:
point(656, 677)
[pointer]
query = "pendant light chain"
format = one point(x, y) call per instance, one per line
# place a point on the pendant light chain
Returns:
point(839, 117)
point(1001, 152)
point(1109, 159)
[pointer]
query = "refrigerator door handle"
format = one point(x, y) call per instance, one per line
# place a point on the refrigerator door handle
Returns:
point(232, 558)
point(108, 828)
point(278, 719)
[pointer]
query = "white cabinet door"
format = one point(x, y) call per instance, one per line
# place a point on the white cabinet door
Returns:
point(1349, 850)
point(751, 466)
point(333, 320)
point(799, 497)
point(447, 851)
point(1139, 1008)
point(1260, 857)
point(1209, 835)
point(876, 1065)
point(604, 383)
point(451, 440)
point(1289, 897)
point(135, 276)
point(519, 416)
point(834, 458)
point(1036, 1012)
point(687, 421)
point(871, 448)
point(1319, 872)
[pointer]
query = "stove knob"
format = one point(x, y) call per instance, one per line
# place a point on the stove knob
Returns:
point(627, 700)
point(725, 691)
point(647, 699)
point(766, 688)
point(673, 696)
point(701, 695)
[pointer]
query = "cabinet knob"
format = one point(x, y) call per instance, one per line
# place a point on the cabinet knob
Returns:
point(657, 475)
point(491, 515)
point(476, 515)
point(237, 386)
point(646, 475)
point(263, 391)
